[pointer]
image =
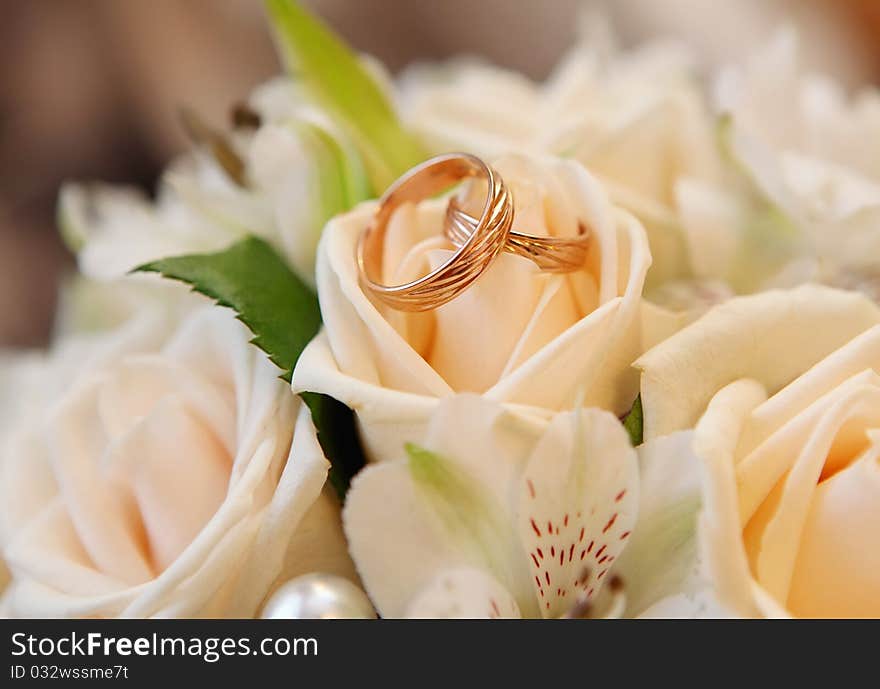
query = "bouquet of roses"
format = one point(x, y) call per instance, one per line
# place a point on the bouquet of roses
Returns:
point(463, 345)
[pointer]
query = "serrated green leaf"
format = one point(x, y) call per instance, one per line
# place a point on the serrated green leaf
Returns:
point(338, 437)
point(267, 296)
point(337, 80)
point(634, 423)
point(252, 279)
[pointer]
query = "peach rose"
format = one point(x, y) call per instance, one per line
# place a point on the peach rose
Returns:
point(782, 392)
point(528, 339)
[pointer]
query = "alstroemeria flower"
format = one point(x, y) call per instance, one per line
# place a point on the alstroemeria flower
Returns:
point(776, 397)
point(493, 515)
point(159, 470)
point(518, 335)
point(297, 170)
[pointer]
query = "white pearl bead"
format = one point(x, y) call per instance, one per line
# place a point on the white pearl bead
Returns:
point(318, 597)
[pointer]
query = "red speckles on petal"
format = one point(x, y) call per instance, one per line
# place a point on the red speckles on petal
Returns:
point(495, 613)
point(610, 523)
point(581, 535)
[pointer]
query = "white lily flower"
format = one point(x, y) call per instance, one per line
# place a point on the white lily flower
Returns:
point(494, 515)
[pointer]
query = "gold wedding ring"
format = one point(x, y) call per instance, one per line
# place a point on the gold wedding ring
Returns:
point(486, 236)
point(551, 254)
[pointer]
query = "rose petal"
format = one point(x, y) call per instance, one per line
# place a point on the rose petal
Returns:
point(773, 535)
point(836, 574)
point(720, 536)
point(771, 337)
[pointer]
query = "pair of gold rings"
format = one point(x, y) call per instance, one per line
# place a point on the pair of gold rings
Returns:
point(478, 241)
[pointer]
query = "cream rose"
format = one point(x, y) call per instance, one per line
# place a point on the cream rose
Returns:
point(517, 336)
point(154, 471)
point(801, 200)
point(638, 120)
point(783, 394)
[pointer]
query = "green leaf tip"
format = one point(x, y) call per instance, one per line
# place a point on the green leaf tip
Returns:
point(634, 423)
point(267, 296)
point(339, 82)
point(338, 437)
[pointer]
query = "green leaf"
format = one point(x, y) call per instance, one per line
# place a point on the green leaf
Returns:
point(252, 279)
point(339, 82)
point(338, 437)
point(283, 314)
point(633, 422)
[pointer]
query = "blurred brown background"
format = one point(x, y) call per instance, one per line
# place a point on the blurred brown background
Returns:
point(90, 88)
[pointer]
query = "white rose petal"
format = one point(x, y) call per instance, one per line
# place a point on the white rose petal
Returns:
point(786, 433)
point(157, 477)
